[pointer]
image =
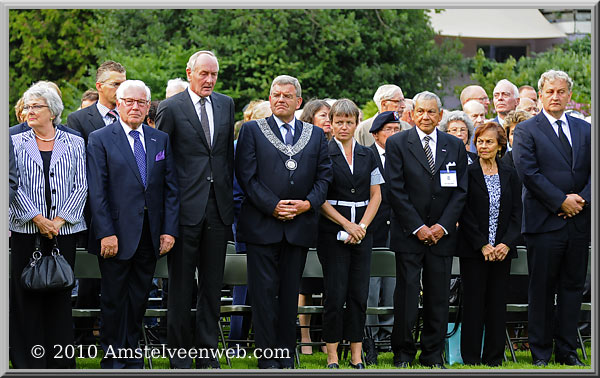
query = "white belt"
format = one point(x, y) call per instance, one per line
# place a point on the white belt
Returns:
point(351, 205)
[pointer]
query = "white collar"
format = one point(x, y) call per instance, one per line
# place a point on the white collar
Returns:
point(379, 149)
point(280, 122)
point(127, 129)
point(553, 120)
point(422, 135)
point(103, 109)
point(195, 98)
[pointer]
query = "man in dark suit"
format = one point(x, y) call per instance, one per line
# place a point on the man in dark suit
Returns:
point(283, 167)
point(135, 207)
point(427, 186)
point(552, 156)
point(200, 124)
point(109, 76)
point(381, 289)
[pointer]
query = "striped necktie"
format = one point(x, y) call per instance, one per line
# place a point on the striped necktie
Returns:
point(428, 153)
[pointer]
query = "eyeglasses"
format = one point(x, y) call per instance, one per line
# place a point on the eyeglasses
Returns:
point(112, 84)
point(131, 101)
point(480, 99)
point(396, 101)
point(34, 107)
point(458, 130)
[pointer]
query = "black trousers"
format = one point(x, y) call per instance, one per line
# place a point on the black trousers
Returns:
point(202, 247)
point(484, 292)
point(39, 318)
point(124, 295)
point(346, 271)
point(274, 273)
point(557, 264)
point(436, 290)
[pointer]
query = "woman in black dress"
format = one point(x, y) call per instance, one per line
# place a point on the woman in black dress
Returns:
point(344, 243)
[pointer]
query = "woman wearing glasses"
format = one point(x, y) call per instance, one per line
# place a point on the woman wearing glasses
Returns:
point(459, 124)
point(49, 205)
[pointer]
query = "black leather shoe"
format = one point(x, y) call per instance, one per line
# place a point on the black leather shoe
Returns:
point(542, 363)
point(571, 360)
point(207, 363)
point(402, 364)
point(333, 366)
point(359, 365)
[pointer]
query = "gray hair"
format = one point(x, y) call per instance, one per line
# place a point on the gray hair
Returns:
point(385, 92)
point(514, 87)
point(132, 84)
point(175, 84)
point(285, 80)
point(344, 107)
point(457, 115)
point(191, 64)
point(49, 94)
point(552, 75)
point(426, 95)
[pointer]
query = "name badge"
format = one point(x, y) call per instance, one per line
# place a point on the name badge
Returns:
point(448, 178)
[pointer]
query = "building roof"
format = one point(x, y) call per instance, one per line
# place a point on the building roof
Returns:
point(494, 23)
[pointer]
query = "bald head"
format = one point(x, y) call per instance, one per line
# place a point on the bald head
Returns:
point(475, 92)
point(476, 111)
point(528, 105)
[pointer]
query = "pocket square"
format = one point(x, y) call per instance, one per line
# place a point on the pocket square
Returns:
point(160, 156)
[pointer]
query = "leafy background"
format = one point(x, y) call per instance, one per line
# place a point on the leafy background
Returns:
point(334, 53)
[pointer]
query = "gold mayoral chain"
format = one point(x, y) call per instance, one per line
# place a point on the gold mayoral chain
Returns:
point(287, 149)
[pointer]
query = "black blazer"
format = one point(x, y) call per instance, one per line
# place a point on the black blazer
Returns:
point(86, 120)
point(262, 175)
point(417, 197)
point(348, 186)
point(474, 221)
point(380, 226)
point(547, 175)
point(197, 164)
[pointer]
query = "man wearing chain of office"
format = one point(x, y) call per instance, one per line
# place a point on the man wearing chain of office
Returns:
point(283, 167)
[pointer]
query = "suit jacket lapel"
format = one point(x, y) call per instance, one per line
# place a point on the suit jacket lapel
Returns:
point(190, 112)
point(339, 161)
point(575, 136)
point(478, 175)
point(31, 147)
point(95, 117)
point(151, 151)
point(441, 150)
point(60, 147)
point(416, 148)
point(216, 106)
point(122, 143)
point(546, 128)
point(273, 125)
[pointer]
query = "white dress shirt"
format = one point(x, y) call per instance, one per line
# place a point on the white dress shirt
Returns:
point(432, 141)
point(565, 125)
point(104, 113)
point(381, 154)
point(130, 139)
point(209, 112)
point(282, 128)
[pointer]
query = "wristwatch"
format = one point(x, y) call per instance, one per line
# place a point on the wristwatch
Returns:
point(363, 226)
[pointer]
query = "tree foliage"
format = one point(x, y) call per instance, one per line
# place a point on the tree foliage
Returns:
point(573, 57)
point(51, 44)
point(334, 53)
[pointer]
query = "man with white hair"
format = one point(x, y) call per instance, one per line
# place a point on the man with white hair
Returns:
point(476, 112)
point(475, 92)
point(388, 97)
point(175, 86)
point(135, 209)
point(552, 155)
point(506, 98)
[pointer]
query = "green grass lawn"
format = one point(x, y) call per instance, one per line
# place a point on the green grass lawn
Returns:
point(318, 360)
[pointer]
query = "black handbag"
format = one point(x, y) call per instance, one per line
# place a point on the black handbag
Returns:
point(47, 273)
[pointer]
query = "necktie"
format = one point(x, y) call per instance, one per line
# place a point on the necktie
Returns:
point(204, 121)
point(139, 153)
point(113, 114)
point(289, 138)
point(563, 140)
point(428, 153)
point(383, 160)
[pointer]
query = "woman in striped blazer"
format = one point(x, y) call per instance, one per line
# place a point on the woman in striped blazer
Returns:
point(49, 201)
